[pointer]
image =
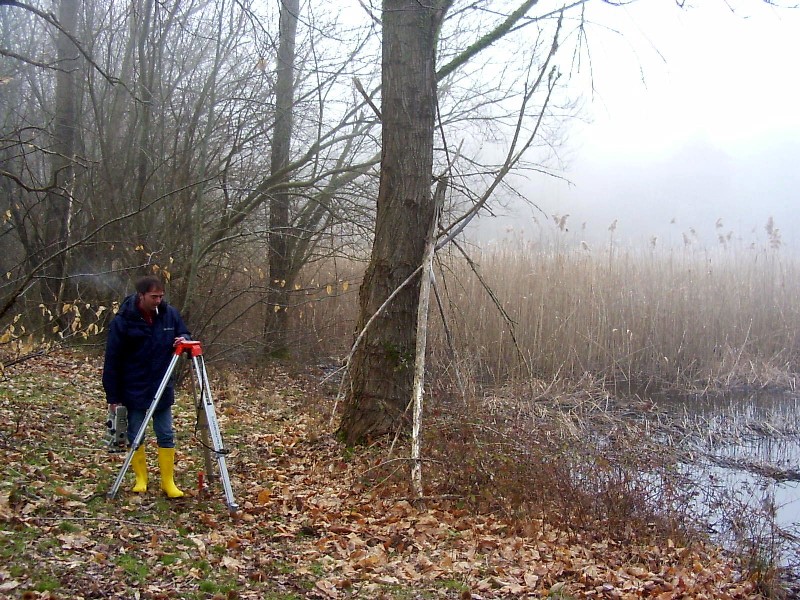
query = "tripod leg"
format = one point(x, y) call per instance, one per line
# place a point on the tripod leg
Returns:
point(202, 423)
point(140, 434)
point(213, 429)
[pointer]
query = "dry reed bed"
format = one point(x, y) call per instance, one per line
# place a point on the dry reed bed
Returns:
point(682, 318)
point(691, 320)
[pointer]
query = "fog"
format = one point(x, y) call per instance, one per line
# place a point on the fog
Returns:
point(691, 132)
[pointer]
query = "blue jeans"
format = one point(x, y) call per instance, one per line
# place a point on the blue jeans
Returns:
point(162, 425)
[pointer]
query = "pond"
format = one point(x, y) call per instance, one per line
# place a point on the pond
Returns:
point(746, 449)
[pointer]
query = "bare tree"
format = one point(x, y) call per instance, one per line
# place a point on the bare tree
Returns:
point(191, 158)
point(377, 396)
point(279, 266)
point(380, 380)
point(58, 199)
point(179, 161)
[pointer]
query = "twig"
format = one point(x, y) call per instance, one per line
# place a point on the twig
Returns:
point(99, 519)
point(367, 99)
point(401, 459)
point(16, 361)
point(437, 497)
point(422, 337)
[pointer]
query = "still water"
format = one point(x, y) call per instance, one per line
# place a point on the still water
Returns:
point(747, 448)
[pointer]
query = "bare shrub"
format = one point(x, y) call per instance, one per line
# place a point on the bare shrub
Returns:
point(570, 456)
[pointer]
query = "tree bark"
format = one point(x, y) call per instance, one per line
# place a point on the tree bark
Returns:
point(59, 199)
point(381, 373)
point(280, 267)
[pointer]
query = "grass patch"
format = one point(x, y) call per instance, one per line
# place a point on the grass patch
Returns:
point(282, 567)
point(169, 559)
point(133, 566)
point(453, 585)
point(47, 583)
point(68, 527)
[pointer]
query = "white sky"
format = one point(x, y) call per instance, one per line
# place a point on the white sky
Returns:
point(695, 117)
point(673, 75)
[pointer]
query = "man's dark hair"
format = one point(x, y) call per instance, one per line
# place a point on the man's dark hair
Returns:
point(149, 283)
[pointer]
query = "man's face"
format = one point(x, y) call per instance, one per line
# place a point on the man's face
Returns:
point(151, 299)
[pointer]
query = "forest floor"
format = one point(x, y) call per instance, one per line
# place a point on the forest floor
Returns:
point(311, 524)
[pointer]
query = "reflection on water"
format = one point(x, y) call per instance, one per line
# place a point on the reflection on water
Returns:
point(747, 446)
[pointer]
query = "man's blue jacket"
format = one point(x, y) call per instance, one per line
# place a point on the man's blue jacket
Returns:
point(138, 354)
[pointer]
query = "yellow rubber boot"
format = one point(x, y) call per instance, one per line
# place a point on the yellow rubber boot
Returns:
point(139, 464)
point(166, 462)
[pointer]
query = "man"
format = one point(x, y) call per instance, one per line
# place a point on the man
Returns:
point(139, 349)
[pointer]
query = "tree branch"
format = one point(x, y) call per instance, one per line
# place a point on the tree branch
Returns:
point(52, 20)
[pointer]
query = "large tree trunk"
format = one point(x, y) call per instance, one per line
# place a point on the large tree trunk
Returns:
point(280, 267)
point(381, 370)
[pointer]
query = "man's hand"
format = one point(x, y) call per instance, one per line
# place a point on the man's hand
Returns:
point(178, 340)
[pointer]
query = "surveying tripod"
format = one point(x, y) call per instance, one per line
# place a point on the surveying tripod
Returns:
point(207, 418)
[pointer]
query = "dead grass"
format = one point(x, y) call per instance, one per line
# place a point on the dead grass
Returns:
point(690, 319)
point(724, 317)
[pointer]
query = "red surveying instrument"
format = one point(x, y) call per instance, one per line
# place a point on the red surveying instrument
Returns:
point(207, 418)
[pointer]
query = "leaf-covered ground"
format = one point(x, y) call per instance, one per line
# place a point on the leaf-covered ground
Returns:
point(313, 522)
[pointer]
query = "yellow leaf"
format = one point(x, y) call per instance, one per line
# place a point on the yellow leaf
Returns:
point(276, 308)
point(345, 285)
point(329, 289)
point(264, 496)
point(5, 338)
point(139, 247)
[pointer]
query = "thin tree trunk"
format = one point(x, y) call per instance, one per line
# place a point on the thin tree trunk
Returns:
point(279, 219)
point(59, 199)
point(145, 89)
point(422, 343)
